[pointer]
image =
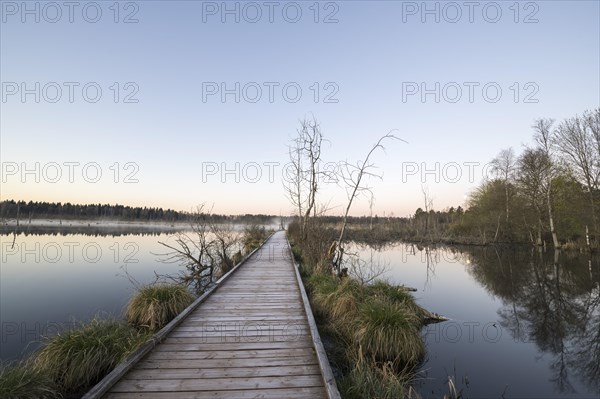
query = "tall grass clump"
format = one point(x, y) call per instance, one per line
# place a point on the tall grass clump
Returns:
point(390, 332)
point(82, 356)
point(368, 380)
point(22, 381)
point(153, 306)
point(396, 294)
point(341, 303)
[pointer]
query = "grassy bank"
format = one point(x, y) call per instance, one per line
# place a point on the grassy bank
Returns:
point(71, 362)
point(372, 332)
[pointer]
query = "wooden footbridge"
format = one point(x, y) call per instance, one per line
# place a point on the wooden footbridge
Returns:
point(252, 336)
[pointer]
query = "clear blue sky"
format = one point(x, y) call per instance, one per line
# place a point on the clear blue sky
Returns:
point(371, 61)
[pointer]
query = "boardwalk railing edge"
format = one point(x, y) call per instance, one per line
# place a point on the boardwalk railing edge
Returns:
point(121, 369)
point(328, 378)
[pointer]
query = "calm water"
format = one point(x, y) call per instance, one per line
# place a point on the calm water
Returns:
point(49, 281)
point(523, 323)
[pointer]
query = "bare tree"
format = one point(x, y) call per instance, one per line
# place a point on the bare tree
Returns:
point(504, 166)
point(576, 139)
point(592, 121)
point(543, 137)
point(371, 203)
point(311, 138)
point(294, 179)
point(428, 203)
point(353, 176)
point(534, 166)
point(225, 238)
point(303, 176)
point(203, 251)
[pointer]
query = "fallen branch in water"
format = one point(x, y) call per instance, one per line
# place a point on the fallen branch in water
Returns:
point(432, 318)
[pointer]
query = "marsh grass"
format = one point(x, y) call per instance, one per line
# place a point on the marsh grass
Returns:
point(382, 319)
point(23, 381)
point(379, 327)
point(153, 306)
point(396, 294)
point(80, 357)
point(371, 380)
point(390, 332)
point(338, 300)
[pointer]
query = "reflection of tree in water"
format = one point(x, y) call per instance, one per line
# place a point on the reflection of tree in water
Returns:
point(550, 298)
point(90, 230)
point(430, 255)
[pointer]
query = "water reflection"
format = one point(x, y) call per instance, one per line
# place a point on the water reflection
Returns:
point(93, 229)
point(524, 322)
point(552, 299)
point(50, 281)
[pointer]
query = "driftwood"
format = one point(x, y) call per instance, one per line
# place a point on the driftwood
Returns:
point(432, 318)
point(409, 289)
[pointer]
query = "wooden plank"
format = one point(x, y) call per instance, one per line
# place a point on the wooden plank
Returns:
point(253, 307)
point(238, 338)
point(243, 328)
point(232, 346)
point(288, 393)
point(229, 354)
point(212, 363)
point(245, 318)
point(233, 372)
point(213, 384)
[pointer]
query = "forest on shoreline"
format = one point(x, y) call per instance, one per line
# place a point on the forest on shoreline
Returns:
point(11, 209)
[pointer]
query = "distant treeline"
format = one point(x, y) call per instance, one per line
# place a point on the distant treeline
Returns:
point(23, 210)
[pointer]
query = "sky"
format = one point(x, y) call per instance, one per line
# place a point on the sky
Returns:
point(174, 104)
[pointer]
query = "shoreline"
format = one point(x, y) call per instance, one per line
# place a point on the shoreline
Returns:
point(48, 222)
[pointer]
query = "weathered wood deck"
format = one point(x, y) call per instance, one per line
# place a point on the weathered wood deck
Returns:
point(252, 337)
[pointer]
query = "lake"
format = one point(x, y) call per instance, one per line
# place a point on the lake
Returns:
point(50, 279)
point(524, 323)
